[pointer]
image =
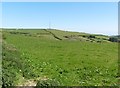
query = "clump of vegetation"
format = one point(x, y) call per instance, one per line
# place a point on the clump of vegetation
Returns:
point(3, 37)
point(47, 83)
point(10, 65)
point(114, 39)
point(91, 36)
point(83, 36)
point(13, 66)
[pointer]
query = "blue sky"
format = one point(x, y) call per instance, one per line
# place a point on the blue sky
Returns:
point(90, 17)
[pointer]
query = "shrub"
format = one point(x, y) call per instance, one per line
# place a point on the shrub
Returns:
point(91, 36)
point(83, 36)
point(3, 37)
point(113, 39)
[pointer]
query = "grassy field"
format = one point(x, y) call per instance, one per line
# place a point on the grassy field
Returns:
point(59, 58)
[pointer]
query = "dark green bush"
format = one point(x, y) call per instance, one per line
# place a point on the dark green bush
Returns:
point(113, 39)
point(83, 36)
point(91, 36)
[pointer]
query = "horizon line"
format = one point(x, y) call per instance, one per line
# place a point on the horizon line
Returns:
point(57, 29)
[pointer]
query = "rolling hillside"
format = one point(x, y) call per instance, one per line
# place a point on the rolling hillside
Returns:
point(50, 57)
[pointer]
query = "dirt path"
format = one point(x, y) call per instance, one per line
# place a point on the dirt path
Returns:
point(30, 83)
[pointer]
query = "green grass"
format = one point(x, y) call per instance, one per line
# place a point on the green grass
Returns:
point(72, 63)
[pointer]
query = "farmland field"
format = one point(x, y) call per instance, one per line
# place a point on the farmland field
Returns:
point(62, 58)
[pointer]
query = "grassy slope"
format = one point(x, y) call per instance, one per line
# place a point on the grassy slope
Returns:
point(70, 62)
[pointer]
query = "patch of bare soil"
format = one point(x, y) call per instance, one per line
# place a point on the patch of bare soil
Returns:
point(31, 83)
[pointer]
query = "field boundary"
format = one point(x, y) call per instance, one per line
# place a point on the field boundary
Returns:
point(53, 34)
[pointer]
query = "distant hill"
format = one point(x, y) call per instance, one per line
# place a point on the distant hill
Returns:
point(61, 35)
point(65, 35)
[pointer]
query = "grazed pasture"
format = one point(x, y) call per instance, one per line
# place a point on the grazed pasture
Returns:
point(65, 58)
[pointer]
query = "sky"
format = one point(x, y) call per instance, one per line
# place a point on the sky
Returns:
point(60, 0)
point(89, 17)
